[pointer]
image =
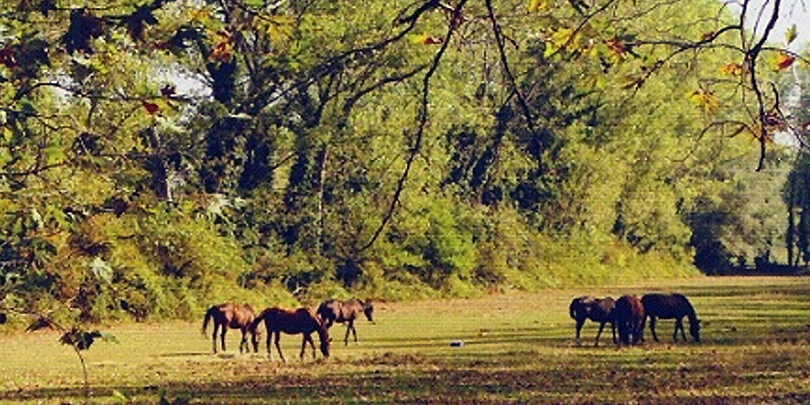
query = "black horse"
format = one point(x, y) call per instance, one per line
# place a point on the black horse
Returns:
point(596, 309)
point(292, 322)
point(629, 316)
point(332, 310)
point(671, 306)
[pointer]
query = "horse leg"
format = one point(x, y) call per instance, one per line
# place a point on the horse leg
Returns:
point(244, 342)
point(354, 332)
point(222, 336)
point(267, 344)
point(348, 329)
point(652, 327)
point(303, 346)
point(214, 337)
point(599, 333)
point(278, 346)
point(311, 344)
point(613, 329)
point(678, 325)
point(580, 322)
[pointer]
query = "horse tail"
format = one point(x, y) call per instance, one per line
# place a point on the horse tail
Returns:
point(572, 310)
point(208, 315)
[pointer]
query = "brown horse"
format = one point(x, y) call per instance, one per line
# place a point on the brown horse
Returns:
point(595, 309)
point(347, 311)
point(232, 316)
point(671, 306)
point(291, 322)
point(629, 316)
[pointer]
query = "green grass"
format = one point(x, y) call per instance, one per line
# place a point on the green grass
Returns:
point(518, 348)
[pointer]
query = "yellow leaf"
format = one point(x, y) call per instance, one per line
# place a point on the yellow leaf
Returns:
point(538, 5)
point(704, 98)
point(732, 69)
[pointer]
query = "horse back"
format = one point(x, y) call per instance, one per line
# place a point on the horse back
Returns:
point(667, 306)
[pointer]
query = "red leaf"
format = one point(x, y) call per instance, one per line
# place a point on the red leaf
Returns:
point(151, 108)
point(806, 125)
point(430, 40)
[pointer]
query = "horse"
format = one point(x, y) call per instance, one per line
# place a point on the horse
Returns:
point(291, 322)
point(232, 316)
point(595, 309)
point(347, 311)
point(671, 306)
point(629, 316)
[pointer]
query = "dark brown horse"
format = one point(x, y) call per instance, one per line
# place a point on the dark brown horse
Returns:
point(596, 309)
point(671, 306)
point(232, 316)
point(629, 316)
point(347, 311)
point(291, 322)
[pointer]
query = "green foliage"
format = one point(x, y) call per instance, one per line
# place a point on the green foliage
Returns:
point(157, 158)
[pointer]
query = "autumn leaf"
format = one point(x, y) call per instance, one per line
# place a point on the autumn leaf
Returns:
point(704, 98)
point(732, 69)
point(538, 5)
point(783, 60)
point(426, 39)
point(806, 125)
point(431, 40)
point(150, 108)
point(223, 52)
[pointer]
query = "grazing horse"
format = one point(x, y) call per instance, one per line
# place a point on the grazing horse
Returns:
point(595, 309)
point(232, 316)
point(671, 306)
point(629, 316)
point(347, 311)
point(291, 322)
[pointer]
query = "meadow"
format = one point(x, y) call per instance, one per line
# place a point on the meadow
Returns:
point(518, 348)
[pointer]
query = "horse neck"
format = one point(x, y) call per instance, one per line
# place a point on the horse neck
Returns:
point(690, 312)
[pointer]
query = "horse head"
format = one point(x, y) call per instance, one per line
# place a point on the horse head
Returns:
point(694, 329)
point(325, 341)
point(368, 309)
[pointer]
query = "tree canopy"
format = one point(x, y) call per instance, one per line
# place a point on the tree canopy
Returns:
point(159, 155)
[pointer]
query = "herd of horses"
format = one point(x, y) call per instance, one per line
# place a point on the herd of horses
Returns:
point(628, 314)
point(276, 320)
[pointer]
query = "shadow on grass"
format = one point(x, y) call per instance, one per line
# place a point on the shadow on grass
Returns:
point(475, 382)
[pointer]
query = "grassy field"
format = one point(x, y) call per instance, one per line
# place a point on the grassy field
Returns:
point(518, 348)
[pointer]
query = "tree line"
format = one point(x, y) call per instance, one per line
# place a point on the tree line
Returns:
point(158, 156)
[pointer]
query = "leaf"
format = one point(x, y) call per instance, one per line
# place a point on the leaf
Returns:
point(80, 338)
point(279, 27)
point(538, 5)
point(732, 69)
point(704, 98)
point(783, 60)
point(791, 34)
point(39, 323)
point(151, 108)
point(433, 40)
point(223, 52)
